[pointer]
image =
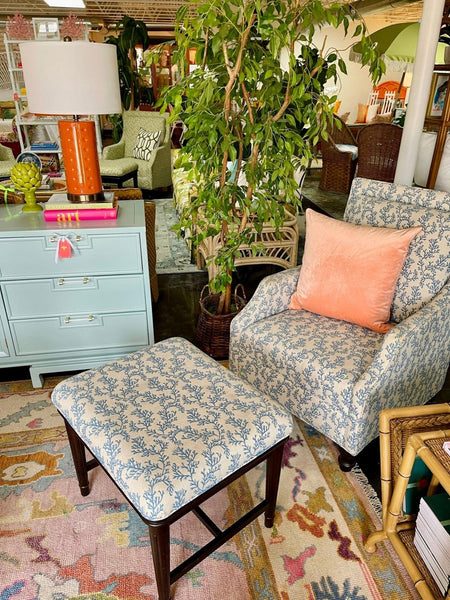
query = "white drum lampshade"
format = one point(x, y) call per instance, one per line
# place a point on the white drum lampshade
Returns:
point(79, 79)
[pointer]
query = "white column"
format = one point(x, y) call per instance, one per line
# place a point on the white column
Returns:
point(420, 89)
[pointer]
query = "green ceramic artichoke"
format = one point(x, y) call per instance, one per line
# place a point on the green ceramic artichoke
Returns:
point(26, 176)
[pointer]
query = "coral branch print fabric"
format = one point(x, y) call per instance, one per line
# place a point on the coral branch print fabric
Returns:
point(169, 423)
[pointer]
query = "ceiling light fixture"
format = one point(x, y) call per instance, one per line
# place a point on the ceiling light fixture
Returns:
point(66, 3)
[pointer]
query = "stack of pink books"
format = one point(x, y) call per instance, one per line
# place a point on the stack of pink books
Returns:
point(59, 208)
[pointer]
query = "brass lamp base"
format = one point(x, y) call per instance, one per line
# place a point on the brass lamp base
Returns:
point(97, 197)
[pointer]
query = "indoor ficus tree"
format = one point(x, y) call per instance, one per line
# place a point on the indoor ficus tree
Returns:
point(254, 109)
point(131, 33)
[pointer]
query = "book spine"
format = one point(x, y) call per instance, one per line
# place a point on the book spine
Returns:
point(66, 208)
point(72, 216)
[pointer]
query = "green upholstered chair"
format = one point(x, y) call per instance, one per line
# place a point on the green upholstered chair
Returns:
point(7, 161)
point(152, 173)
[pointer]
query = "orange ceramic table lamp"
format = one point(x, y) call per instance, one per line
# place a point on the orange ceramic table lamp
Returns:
point(79, 79)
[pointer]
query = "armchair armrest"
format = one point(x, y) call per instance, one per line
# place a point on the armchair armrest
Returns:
point(272, 296)
point(413, 359)
point(114, 151)
point(6, 153)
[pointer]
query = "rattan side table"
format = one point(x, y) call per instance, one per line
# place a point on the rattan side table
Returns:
point(427, 445)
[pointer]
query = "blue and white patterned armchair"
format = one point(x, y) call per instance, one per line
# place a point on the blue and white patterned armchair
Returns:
point(337, 376)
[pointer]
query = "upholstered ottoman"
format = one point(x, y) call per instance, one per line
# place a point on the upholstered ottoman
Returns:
point(172, 427)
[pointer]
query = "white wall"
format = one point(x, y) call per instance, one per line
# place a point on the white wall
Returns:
point(356, 85)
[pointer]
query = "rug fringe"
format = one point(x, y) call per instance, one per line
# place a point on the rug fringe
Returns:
point(368, 490)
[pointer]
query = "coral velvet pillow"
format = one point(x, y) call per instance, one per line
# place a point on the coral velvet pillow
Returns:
point(349, 272)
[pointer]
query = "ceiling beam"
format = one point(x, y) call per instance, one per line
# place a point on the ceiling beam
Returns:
point(368, 7)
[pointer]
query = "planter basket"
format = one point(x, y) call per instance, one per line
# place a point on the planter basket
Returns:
point(213, 331)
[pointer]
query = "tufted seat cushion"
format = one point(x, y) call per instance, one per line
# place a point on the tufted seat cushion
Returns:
point(323, 357)
point(120, 166)
point(169, 423)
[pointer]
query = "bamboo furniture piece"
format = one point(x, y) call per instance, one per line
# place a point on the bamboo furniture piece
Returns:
point(378, 148)
point(339, 158)
point(280, 247)
point(396, 426)
point(405, 434)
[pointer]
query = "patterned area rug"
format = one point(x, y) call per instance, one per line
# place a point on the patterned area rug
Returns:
point(56, 544)
point(172, 254)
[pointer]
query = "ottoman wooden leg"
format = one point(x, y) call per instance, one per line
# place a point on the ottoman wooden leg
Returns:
point(273, 471)
point(160, 542)
point(79, 459)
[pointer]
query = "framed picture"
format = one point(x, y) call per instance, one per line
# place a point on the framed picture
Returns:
point(437, 94)
point(46, 29)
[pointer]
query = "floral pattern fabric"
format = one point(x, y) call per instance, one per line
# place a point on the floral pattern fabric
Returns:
point(337, 376)
point(168, 423)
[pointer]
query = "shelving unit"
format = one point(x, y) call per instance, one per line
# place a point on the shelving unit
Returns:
point(161, 74)
point(26, 121)
point(441, 123)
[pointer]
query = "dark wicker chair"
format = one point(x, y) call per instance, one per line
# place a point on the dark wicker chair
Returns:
point(338, 167)
point(378, 148)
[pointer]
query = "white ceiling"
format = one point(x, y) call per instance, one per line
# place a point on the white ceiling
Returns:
point(98, 11)
point(162, 12)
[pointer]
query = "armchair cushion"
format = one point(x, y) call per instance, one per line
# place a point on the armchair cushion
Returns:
point(349, 272)
point(120, 166)
point(348, 148)
point(146, 142)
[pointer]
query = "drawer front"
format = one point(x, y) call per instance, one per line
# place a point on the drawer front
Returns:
point(91, 254)
point(4, 352)
point(66, 296)
point(80, 334)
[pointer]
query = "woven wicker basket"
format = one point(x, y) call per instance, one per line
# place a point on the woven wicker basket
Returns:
point(212, 334)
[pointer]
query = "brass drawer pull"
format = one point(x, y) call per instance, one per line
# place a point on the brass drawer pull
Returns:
point(84, 280)
point(55, 238)
point(79, 319)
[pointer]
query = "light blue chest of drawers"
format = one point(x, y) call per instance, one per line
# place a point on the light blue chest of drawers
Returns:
point(64, 314)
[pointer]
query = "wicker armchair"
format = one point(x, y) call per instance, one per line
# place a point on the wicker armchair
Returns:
point(378, 148)
point(339, 159)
